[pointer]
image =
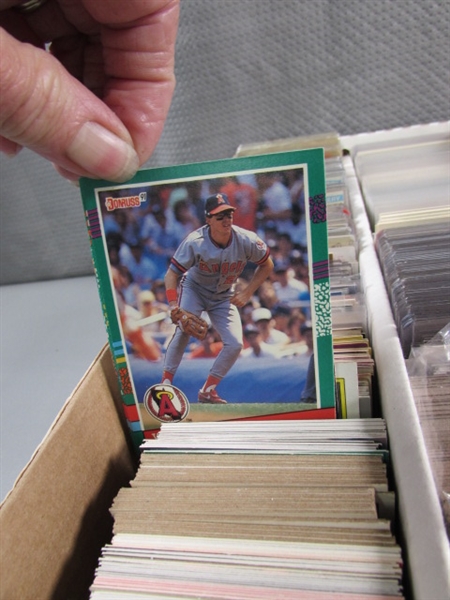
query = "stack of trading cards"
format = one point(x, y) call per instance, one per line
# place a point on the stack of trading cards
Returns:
point(354, 365)
point(415, 262)
point(406, 193)
point(256, 510)
point(404, 176)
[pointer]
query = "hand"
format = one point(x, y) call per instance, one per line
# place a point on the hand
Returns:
point(173, 310)
point(241, 298)
point(96, 104)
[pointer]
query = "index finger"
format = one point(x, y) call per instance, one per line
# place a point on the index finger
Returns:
point(138, 39)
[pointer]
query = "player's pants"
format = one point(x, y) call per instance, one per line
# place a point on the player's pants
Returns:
point(226, 321)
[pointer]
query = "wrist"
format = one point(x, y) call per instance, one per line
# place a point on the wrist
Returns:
point(172, 297)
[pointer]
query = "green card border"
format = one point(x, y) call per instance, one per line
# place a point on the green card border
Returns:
point(312, 161)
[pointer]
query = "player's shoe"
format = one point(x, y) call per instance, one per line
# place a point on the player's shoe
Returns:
point(211, 397)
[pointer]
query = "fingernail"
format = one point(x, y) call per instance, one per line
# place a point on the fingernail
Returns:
point(103, 154)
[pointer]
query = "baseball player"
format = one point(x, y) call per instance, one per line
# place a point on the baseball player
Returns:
point(208, 262)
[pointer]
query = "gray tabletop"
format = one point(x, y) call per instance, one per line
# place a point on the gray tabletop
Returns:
point(50, 333)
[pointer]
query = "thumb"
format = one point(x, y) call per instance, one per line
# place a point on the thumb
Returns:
point(48, 111)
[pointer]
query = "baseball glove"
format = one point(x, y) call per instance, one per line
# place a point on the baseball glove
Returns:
point(189, 323)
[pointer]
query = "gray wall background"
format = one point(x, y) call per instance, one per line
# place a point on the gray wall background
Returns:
point(249, 71)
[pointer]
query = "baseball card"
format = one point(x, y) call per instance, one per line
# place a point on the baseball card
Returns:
point(214, 283)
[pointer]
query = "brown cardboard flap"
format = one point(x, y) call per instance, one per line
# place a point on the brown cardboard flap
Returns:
point(56, 518)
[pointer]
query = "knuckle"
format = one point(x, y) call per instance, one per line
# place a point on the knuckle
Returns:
point(33, 92)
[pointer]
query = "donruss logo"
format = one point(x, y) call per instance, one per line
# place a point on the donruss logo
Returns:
point(125, 202)
point(166, 403)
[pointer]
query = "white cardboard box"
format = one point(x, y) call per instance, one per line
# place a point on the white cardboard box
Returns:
point(425, 539)
point(56, 518)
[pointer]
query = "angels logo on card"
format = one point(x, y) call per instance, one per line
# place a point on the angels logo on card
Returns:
point(260, 244)
point(166, 403)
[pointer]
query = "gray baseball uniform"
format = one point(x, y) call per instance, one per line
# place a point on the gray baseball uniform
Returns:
point(209, 276)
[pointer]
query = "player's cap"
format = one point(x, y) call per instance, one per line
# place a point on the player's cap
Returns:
point(250, 330)
point(217, 204)
point(146, 296)
point(261, 314)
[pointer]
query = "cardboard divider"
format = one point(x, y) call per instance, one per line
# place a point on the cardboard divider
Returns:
point(56, 518)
